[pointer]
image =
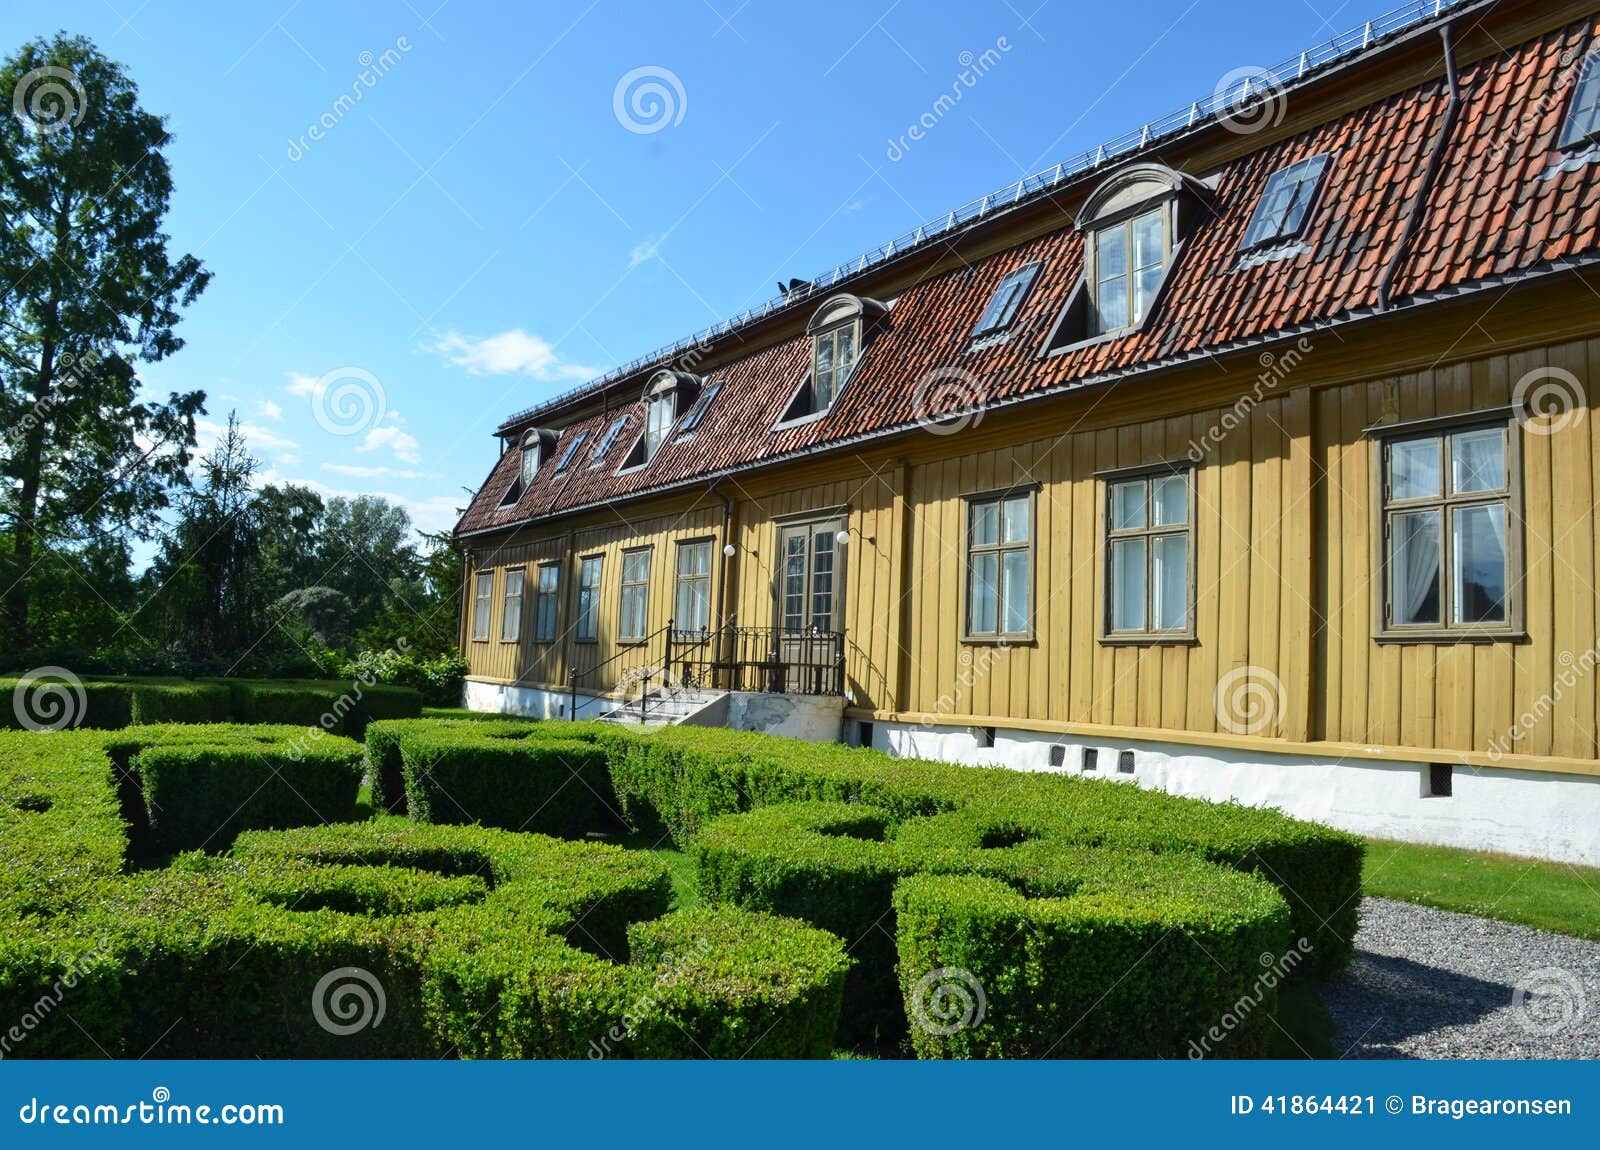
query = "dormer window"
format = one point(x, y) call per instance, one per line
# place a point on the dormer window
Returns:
point(1582, 126)
point(667, 396)
point(1133, 227)
point(1130, 261)
point(836, 330)
point(1285, 206)
point(534, 447)
point(1006, 301)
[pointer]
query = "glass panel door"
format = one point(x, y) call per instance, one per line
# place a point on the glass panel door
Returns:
point(807, 592)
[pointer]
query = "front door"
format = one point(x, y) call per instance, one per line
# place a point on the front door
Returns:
point(810, 584)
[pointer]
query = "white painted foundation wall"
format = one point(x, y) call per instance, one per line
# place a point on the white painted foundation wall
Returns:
point(1535, 813)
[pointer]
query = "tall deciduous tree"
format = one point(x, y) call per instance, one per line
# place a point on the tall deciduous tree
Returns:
point(88, 289)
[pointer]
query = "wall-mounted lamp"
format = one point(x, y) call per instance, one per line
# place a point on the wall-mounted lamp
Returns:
point(730, 550)
point(842, 538)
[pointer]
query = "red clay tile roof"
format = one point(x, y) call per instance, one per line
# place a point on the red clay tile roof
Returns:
point(1502, 203)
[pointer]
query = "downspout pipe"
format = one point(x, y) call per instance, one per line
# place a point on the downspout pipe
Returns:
point(1430, 176)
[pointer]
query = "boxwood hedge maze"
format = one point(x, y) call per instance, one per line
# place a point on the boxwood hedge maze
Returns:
point(215, 889)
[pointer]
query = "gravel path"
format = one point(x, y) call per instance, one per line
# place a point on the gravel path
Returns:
point(1434, 984)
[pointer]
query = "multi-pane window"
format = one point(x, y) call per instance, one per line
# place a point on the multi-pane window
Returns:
point(1006, 301)
point(1129, 260)
point(572, 450)
point(511, 614)
point(698, 411)
point(546, 603)
point(635, 610)
point(1448, 548)
point(1149, 544)
point(482, 605)
point(530, 463)
point(835, 355)
point(597, 456)
point(658, 420)
point(1282, 212)
point(1000, 566)
point(1583, 117)
point(692, 603)
point(588, 622)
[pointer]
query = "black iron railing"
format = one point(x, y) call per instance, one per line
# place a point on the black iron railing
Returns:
point(727, 658)
point(734, 658)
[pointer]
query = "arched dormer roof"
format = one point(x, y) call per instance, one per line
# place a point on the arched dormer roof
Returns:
point(843, 308)
point(1129, 187)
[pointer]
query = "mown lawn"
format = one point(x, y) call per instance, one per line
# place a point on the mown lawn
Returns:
point(1550, 896)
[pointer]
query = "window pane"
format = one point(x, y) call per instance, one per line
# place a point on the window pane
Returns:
point(983, 593)
point(1414, 567)
point(985, 524)
point(1016, 521)
point(1479, 562)
point(1583, 119)
point(1414, 469)
point(1111, 252)
point(847, 351)
point(1127, 505)
point(1171, 560)
point(1112, 304)
point(1016, 592)
point(1478, 460)
point(1145, 285)
point(1127, 585)
point(1147, 240)
point(1171, 501)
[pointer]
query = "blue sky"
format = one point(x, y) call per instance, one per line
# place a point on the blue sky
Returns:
point(484, 228)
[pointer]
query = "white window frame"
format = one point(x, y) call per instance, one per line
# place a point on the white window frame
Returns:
point(1149, 533)
point(482, 606)
point(631, 589)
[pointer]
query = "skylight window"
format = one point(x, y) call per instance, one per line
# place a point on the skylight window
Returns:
point(1285, 205)
point(1007, 300)
point(658, 418)
point(1583, 118)
point(572, 450)
point(698, 411)
point(607, 440)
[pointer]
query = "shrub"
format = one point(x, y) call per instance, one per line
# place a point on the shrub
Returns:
point(554, 786)
point(385, 773)
point(336, 706)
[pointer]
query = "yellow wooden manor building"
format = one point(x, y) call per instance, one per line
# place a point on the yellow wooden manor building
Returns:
point(1251, 455)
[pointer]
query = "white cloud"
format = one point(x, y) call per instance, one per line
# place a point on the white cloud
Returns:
point(359, 471)
point(404, 445)
point(266, 409)
point(208, 433)
point(303, 384)
point(513, 352)
point(646, 251)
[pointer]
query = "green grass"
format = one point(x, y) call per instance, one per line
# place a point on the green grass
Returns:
point(1549, 896)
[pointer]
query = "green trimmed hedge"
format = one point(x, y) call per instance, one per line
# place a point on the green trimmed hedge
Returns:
point(394, 939)
point(112, 702)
